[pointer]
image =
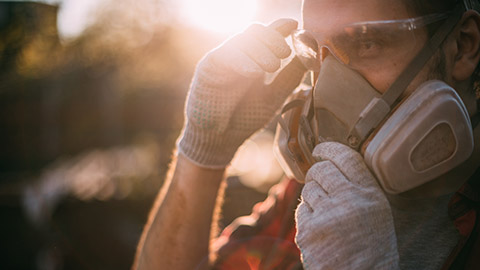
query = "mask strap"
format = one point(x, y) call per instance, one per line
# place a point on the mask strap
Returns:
point(409, 73)
point(287, 107)
point(379, 108)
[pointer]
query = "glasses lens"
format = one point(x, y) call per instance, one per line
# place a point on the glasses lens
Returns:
point(306, 49)
point(370, 45)
point(366, 45)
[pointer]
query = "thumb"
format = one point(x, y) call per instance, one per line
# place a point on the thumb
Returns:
point(284, 26)
point(288, 78)
point(292, 73)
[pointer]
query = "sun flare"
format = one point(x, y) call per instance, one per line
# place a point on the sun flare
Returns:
point(223, 16)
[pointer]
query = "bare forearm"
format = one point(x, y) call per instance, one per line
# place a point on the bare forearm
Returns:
point(225, 106)
point(178, 232)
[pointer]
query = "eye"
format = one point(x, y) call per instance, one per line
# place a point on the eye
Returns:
point(368, 48)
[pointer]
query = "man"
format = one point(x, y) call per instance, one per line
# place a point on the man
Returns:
point(345, 219)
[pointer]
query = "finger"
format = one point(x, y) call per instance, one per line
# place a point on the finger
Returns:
point(328, 176)
point(303, 219)
point(347, 160)
point(284, 26)
point(313, 193)
point(304, 207)
point(286, 80)
point(272, 39)
point(259, 52)
point(231, 58)
point(246, 66)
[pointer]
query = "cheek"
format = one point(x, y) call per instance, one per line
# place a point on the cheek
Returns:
point(381, 79)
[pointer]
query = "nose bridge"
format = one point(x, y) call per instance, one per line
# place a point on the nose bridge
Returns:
point(324, 52)
point(330, 49)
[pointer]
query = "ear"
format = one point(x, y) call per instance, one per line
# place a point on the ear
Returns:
point(467, 40)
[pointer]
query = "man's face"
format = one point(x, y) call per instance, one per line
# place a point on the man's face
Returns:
point(325, 16)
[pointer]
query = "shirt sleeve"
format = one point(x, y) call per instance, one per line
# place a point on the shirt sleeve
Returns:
point(464, 209)
point(265, 238)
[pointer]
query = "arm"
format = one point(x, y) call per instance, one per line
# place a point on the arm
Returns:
point(228, 101)
point(177, 233)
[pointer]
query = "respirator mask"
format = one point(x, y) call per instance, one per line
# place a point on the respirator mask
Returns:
point(405, 143)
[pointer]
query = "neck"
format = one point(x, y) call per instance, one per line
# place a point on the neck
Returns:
point(467, 93)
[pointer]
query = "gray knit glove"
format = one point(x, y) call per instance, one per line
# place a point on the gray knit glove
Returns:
point(228, 99)
point(344, 220)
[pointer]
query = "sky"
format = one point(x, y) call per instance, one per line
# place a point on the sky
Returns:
point(75, 15)
point(220, 16)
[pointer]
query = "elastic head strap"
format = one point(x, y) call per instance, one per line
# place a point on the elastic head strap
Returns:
point(379, 108)
point(471, 4)
point(409, 73)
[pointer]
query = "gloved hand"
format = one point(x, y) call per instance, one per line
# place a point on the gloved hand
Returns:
point(229, 100)
point(344, 220)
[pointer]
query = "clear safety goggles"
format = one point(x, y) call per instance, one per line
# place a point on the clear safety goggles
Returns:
point(371, 44)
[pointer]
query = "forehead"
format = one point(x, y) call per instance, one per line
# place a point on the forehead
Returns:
point(323, 15)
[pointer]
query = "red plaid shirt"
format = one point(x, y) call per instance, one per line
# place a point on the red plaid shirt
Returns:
point(265, 239)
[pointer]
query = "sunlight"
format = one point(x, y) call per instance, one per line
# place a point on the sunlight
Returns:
point(223, 16)
point(255, 164)
point(74, 16)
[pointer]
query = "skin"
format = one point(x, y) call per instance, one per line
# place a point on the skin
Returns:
point(178, 231)
point(460, 52)
point(347, 12)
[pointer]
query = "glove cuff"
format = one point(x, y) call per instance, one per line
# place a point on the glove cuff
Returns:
point(208, 149)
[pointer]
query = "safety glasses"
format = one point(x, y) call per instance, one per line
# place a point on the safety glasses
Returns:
point(371, 44)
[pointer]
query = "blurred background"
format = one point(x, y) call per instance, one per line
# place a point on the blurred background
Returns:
point(91, 103)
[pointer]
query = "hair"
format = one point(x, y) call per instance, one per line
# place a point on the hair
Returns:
point(424, 7)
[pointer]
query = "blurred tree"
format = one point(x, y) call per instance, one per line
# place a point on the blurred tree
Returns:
point(122, 77)
point(62, 103)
